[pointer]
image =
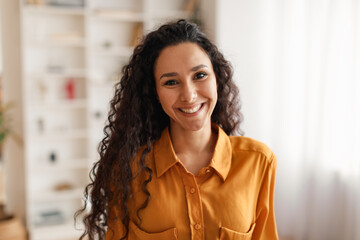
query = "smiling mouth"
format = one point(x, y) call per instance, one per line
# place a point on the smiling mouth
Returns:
point(191, 110)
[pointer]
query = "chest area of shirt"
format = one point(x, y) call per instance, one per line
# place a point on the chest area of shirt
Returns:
point(200, 205)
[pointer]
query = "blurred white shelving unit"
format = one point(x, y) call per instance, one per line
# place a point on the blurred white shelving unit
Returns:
point(73, 53)
point(55, 73)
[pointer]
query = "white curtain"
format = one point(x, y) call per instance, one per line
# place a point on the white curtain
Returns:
point(297, 63)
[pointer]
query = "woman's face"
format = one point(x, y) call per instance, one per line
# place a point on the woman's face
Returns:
point(186, 86)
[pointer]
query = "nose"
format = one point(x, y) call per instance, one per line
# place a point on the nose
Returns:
point(188, 93)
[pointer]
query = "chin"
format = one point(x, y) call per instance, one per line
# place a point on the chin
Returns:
point(195, 126)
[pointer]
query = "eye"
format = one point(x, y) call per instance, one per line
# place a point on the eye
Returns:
point(200, 75)
point(170, 83)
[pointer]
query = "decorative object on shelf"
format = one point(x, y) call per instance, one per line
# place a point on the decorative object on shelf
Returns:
point(35, 2)
point(52, 157)
point(40, 125)
point(98, 114)
point(53, 68)
point(193, 8)
point(68, 3)
point(137, 35)
point(63, 186)
point(70, 88)
point(190, 6)
point(4, 122)
point(4, 119)
point(42, 90)
point(50, 217)
point(107, 44)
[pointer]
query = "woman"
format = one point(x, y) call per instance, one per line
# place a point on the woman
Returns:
point(167, 168)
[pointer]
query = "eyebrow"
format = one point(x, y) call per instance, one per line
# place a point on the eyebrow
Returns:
point(198, 67)
point(173, 74)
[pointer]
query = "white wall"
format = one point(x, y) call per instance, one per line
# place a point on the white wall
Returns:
point(237, 26)
point(241, 28)
point(296, 66)
point(238, 31)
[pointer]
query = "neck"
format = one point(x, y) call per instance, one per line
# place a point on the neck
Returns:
point(191, 146)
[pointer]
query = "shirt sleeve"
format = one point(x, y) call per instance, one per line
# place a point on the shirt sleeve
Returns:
point(265, 223)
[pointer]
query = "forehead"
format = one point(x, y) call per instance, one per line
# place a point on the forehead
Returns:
point(183, 55)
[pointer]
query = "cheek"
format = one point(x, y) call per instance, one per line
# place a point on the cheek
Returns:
point(213, 94)
point(211, 90)
point(166, 98)
point(215, 90)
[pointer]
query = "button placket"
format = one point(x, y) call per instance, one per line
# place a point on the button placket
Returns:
point(194, 205)
point(197, 226)
point(204, 175)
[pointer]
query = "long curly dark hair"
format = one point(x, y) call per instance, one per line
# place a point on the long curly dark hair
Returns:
point(136, 120)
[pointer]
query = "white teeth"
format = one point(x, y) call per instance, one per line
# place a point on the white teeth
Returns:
point(191, 110)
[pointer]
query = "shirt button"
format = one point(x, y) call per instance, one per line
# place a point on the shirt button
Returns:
point(192, 190)
point(197, 226)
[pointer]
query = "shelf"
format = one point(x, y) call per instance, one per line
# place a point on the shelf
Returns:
point(55, 10)
point(106, 85)
point(70, 42)
point(170, 15)
point(118, 15)
point(52, 232)
point(61, 135)
point(76, 164)
point(63, 195)
point(61, 104)
point(67, 72)
point(119, 51)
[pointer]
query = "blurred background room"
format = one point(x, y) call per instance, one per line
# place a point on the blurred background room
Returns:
point(296, 62)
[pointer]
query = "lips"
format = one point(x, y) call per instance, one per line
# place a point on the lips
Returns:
point(191, 110)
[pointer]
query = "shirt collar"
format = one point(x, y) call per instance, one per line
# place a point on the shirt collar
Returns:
point(221, 160)
point(165, 156)
point(164, 153)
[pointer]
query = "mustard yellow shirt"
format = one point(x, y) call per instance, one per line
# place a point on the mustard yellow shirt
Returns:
point(231, 198)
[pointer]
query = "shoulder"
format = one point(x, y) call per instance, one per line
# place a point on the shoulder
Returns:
point(251, 148)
